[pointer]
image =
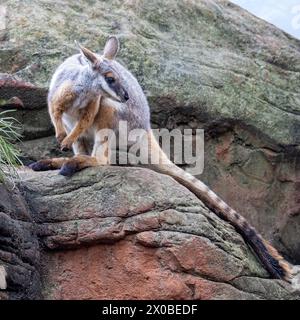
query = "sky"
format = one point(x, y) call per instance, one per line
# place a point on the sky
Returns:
point(285, 14)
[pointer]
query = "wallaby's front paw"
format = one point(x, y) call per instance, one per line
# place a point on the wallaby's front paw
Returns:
point(60, 137)
point(66, 144)
point(42, 165)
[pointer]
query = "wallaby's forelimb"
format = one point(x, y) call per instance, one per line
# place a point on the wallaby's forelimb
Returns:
point(56, 117)
point(58, 104)
point(85, 121)
point(100, 152)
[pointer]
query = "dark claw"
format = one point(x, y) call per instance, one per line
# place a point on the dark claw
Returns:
point(68, 169)
point(40, 166)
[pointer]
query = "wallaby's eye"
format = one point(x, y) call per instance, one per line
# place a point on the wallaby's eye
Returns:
point(110, 80)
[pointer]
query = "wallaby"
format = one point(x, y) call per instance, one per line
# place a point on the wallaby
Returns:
point(75, 90)
point(136, 112)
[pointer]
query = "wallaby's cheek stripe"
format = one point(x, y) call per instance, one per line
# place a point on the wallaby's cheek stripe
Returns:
point(109, 74)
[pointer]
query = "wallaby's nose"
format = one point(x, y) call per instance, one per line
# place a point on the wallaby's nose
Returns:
point(126, 96)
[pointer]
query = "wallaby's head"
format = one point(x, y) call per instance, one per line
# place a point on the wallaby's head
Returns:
point(105, 77)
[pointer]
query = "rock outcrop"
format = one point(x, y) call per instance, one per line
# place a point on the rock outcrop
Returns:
point(203, 64)
point(122, 233)
point(19, 248)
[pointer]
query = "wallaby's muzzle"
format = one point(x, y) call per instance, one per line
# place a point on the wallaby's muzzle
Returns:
point(125, 96)
point(117, 94)
point(120, 93)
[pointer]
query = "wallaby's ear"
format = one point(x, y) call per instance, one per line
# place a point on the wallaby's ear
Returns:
point(111, 48)
point(91, 56)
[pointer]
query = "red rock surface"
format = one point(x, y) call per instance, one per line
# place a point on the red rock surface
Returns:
point(31, 96)
point(10, 81)
point(129, 270)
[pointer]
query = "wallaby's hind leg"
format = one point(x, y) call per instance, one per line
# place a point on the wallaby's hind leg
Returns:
point(82, 146)
point(101, 149)
point(86, 119)
point(48, 164)
point(100, 157)
point(77, 163)
point(68, 166)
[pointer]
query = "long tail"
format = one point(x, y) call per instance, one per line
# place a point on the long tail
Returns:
point(270, 258)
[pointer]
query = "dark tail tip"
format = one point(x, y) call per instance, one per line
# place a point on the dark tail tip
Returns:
point(279, 268)
point(275, 264)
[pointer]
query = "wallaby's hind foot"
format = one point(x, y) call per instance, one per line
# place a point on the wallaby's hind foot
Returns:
point(42, 165)
point(48, 164)
point(77, 163)
point(67, 166)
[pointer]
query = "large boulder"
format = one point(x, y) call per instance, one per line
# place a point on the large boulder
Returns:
point(122, 233)
point(203, 64)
